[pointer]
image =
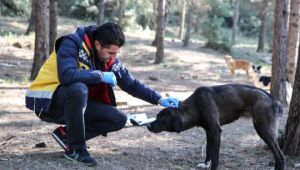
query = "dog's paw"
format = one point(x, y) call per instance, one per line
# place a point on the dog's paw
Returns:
point(204, 166)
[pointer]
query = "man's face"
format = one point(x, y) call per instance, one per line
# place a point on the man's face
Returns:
point(106, 53)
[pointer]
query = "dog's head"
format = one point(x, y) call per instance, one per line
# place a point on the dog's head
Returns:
point(256, 69)
point(228, 57)
point(265, 80)
point(167, 120)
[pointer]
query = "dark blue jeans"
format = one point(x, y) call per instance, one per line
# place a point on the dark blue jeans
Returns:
point(84, 118)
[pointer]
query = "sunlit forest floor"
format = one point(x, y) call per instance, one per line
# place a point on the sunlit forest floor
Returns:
point(133, 147)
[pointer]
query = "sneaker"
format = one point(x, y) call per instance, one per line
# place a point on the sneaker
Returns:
point(81, 156)
point(60, 136)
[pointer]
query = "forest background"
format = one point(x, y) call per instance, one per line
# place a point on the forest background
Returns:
point(175, 47)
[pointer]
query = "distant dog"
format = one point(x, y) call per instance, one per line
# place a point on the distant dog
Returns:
point(212, 107)
point(266, 80)
point(233, 65)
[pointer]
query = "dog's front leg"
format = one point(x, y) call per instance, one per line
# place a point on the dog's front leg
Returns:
point(232, 72)
point(213, 146)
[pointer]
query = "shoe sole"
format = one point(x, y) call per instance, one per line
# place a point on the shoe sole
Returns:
point(57, 139)
point(74, 160)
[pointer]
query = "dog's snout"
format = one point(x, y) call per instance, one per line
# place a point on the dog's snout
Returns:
point(153, 128)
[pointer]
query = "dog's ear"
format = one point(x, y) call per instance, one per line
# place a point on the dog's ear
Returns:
point(178, 124)
point(259, 67)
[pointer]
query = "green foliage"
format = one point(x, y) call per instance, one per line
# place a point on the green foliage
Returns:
point(216, 35)
point(249, 22)
point(250, 26)
point(220, 8)
point(22, 80)
point(213, 28)
point(145, 13)
point(15, 7)
point(65, 7)
point(87, 9)
point(145, 21)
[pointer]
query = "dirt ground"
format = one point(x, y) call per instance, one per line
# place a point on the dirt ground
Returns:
point(133, 147)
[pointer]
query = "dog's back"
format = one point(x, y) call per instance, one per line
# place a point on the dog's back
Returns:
point(243, 64)
point(240, 64)
point(237, 63)
point(235, 100)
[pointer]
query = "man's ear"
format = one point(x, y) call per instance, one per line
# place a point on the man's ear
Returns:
point(97, 45)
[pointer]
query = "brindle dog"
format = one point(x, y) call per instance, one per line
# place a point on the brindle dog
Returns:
point(212, 107)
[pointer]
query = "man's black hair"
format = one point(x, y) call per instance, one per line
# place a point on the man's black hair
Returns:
point(109, 33)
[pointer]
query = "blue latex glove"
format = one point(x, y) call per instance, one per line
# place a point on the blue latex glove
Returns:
point(106, 77)
point(170, 102)
point(109, 78)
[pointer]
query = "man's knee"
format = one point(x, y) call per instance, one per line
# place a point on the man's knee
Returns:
point(78, 90)
point(121, 122)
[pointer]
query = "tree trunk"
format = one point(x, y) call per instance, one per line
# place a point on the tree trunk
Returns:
point(1, 8)
point(235, 21)
point(187, 37)
point(198, 20)
point(293, 40)
point(52, 24)
point(122, 5)
point(278, 84)
point(167, 11)
point(101, 8)
point(31, 24)
point(154, 42)
point(291, 140)
point(160, 31)
point(182, 20)
point(41, 36)
point(263, 26)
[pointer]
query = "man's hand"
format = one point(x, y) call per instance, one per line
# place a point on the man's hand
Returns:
point(106, 77)
point(109, 78)
point(170, 102)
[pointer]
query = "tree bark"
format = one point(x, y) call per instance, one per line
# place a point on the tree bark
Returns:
point(167, 11)
point(279, 78)
point(122, 5)
point(263, 27)
point(101, 8)
point(160, 31)
point(293, 40)
point(198, 21)
point(154, 42)
point(182, 20)
point(41, 36)
point(52, 24)
point(187, 37)
point(291, 140)
point(235, 21)
point(31, 25)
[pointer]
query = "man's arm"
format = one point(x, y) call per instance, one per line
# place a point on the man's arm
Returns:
point(67, 63)
point(140, 90)
point(133, 86)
